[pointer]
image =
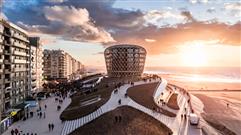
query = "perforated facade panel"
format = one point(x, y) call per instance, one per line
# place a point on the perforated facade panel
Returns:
point(125, 60)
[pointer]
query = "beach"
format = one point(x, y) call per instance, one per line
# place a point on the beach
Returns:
point(226, 118)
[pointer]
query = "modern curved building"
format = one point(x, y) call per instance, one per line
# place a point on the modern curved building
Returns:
point(125, 60)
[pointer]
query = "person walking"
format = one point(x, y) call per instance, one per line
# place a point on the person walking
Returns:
point(49, 126)
point(12, 132)
point(45, 106)
point(40, 115)
point(116, 119)
point(52, 126)
point(16, 131)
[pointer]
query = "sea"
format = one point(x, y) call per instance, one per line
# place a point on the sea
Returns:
point(199, 74)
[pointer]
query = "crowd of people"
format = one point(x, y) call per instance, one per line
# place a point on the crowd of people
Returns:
point(41, 112)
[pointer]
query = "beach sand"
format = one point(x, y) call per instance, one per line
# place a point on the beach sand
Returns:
point(215, 103)
point(216, 109)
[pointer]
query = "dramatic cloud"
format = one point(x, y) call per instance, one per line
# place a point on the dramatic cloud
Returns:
point(95, 21)
point(166, 39)
point(71, 24)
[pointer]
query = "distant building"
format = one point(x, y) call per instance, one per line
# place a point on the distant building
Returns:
point(125, 60)
point(60, 65)
point(36, 64)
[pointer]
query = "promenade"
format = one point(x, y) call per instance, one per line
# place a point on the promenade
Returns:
point(40, 126)
point(171, 122)
point(178, 125)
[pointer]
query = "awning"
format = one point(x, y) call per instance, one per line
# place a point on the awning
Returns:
point(21, 106)
point(13, 112)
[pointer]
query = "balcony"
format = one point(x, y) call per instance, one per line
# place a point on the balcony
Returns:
point(33, 83)
point(20, 53)
point(7, 71)
point(20, 45)
point(7, 52)
point(20, 37)
point(19, 61)
point(19, 69)
point(1, 40)
point(7, 61)
point(7, 43)
point(34, 77)
point(7, 80)
point(1, 29)
point(1, 50)
point(7, 33)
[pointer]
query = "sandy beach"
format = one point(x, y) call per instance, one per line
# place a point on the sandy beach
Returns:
point(217, 111)
point(215, 103)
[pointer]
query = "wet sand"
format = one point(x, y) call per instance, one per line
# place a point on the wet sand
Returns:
point(216, 109)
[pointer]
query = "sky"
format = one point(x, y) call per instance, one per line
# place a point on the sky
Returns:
point(174, 32)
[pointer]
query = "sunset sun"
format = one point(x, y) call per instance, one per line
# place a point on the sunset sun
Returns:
point(194, 55)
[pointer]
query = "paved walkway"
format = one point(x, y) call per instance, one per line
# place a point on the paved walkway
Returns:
point(40, 126)
point(176, 124)
point(170, 122)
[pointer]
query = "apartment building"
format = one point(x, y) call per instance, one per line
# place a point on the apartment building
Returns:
point(14, 66)
point(36, 64)
point(59, 65)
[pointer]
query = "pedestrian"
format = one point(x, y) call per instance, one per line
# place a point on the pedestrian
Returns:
point(119, 101)
point(49, 127)
point(16, 131)
point(31, 114)
point(116, 119)
point(12, 132)
point(45, 106)
point(52, 126)
point(40, 115)
point(119, 118)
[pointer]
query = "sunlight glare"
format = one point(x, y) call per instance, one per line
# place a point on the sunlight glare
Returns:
point(194, 55)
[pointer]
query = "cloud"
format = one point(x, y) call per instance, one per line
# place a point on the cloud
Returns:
point(150, 40)
point(157, 16)
point(188, 16)
point(57, 1)
point(94, 21)
point(234, 8)
point(71, 24)
point(198, 1)
point(211, 10)
point(167, 39)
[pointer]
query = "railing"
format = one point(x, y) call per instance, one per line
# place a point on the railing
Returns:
point(21, 37)
point(20, 53)
point(19, 61)
point(19, 45)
